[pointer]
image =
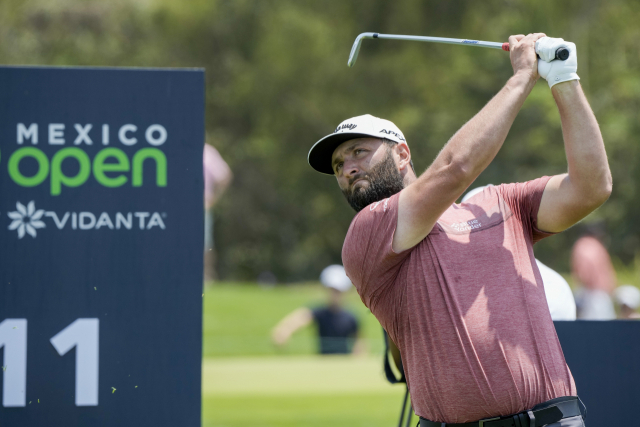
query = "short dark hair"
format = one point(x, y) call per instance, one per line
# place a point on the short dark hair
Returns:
point(391, 143)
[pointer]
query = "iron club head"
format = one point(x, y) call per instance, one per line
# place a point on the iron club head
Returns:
point(356, 47)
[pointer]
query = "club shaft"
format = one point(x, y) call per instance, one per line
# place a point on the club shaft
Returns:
point(356, 45)
point(493, 45)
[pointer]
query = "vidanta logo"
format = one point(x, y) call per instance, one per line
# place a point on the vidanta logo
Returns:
point(28, 219)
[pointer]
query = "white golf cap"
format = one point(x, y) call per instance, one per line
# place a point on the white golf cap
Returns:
point(628, 295)
point(356, 127)
point(335, 277)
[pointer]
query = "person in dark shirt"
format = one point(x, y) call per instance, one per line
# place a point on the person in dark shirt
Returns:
point(337, 328)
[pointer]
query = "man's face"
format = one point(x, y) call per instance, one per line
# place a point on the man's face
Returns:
point(366, 171)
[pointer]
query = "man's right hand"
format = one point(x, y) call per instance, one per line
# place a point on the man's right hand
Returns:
point(523, 54)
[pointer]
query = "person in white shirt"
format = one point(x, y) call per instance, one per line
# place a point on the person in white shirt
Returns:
point(560, 299)
point(628, 299)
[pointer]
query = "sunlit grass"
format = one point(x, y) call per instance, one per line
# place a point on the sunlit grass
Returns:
point(247, 381)
point(298, 391)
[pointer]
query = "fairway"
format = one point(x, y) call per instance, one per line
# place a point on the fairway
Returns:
point(247, 381)
point(298, 391)
point(300, 375)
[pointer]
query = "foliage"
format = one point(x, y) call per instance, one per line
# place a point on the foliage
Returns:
point(277, 81)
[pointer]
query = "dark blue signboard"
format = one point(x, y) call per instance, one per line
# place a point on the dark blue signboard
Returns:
point(100, 246)
point(604, 358)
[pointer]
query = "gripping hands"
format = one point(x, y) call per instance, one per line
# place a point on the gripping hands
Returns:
point(553, 70)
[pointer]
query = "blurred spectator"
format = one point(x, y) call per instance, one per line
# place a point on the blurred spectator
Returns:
point(267, 279)
point(336, 327)
point(591, 265)
point(628, 299)
point(594, 305)
point(595, 277)
point(562, 305)
point(217, 177)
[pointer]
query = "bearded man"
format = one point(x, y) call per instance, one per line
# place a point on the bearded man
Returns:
point(456, 286)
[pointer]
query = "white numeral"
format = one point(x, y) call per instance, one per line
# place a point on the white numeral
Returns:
point(82, 334)
point(13, 337)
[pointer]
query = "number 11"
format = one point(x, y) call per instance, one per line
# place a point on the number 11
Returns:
point(82, 334)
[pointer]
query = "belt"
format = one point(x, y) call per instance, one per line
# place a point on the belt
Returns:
point(542, 414)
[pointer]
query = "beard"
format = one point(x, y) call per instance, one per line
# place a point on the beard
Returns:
point(384, 181)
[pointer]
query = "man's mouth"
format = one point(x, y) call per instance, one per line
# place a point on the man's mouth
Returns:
point(354, 186)
point(356, 181)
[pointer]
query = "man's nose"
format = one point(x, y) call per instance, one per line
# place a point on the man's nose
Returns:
point(350, 168)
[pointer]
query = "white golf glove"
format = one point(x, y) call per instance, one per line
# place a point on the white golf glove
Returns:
point(553, 70)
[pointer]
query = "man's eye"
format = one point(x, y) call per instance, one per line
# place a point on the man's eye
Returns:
point(338, 167)
point(358, 151)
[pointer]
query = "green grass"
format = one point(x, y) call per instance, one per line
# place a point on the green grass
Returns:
point(289, 375)
point(366, 410)
point(298, 391)
point(247, 381)
point(238, 319)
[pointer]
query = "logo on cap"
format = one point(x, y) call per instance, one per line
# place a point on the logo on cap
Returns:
point(390, 132)
point(349, 126)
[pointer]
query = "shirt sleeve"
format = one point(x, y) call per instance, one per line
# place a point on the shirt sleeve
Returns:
point(367, 253)
point(523, 198)
point(216, 168)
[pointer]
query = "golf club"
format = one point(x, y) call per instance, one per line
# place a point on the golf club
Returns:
point(561, 53)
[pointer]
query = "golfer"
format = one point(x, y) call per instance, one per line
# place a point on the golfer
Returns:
point(456, 285)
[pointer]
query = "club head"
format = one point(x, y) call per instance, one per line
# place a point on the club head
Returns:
point(356, 47)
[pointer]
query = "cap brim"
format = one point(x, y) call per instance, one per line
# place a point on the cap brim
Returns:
point(320, 154)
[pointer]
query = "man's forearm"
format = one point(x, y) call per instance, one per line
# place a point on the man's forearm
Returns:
point(589, 172)
point(475, 145)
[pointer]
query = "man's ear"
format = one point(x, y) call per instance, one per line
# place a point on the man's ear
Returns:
point(404, 155)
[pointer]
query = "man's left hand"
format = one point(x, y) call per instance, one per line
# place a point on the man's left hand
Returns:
point(556, 71)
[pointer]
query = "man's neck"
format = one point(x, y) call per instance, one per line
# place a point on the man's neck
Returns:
point(408, 178)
